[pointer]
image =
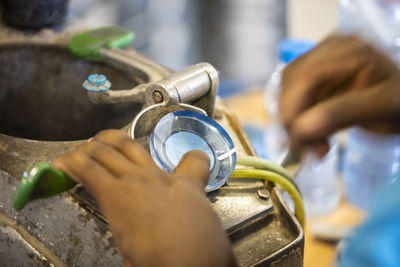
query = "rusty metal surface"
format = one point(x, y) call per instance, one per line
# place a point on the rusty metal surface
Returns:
point(69, 229)
point(71, 233)
point(11, 241)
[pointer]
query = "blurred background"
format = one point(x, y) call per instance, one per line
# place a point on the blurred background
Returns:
point(238, 37)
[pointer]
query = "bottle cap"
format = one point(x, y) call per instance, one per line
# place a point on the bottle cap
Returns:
point(290, 49)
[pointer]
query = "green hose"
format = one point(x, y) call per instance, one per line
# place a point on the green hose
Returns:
point(274, 173)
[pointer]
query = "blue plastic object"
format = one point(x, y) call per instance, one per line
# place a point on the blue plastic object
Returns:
point(182, 131)
point(377, 241)
point(290, 49)
point(96, 83)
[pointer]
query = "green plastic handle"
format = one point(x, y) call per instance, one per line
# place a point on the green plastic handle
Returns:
point(39, 182)
point(87, 45)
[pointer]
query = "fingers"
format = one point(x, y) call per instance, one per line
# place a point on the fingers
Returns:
point(130, 148)
point(311, 83)
point(108, 157)
point(333, 87)
point(325, 118)
point(320, 148)
point(85, 170)
point(318, 75)
point(195, 168)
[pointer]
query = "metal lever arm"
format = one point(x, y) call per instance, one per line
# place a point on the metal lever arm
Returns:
point(196, 84)
point(135, 95)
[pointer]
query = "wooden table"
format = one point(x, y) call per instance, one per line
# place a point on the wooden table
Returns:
point(251, 110)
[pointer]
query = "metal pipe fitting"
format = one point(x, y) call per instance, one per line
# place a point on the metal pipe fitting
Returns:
point(184, 86)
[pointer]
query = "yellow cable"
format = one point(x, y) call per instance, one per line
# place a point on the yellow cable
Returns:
point(263, 164)
point(278, 179)
point(274, 173)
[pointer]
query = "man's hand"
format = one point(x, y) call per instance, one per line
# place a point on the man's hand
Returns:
point(157, 218)
point(340, 83)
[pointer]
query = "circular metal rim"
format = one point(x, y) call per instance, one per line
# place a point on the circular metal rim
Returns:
point(210, 123)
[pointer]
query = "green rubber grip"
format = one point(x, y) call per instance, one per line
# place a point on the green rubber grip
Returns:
point(87, 44)
point(41, 181)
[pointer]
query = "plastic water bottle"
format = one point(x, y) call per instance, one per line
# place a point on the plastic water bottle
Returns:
point(276, 140)
point(318, 181)
point(375, 21)
point(317, 178)
point(371, 160)
point(275, 135)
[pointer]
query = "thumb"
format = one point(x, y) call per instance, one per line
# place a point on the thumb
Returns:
point(195, 168)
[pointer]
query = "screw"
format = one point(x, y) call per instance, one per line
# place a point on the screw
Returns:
point(157, 97)
point(263, 194)
point(96, 82)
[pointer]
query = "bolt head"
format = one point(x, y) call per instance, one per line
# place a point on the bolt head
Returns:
point(158, 97)
point(263, 194)
point(97, 83)
point(97, 79)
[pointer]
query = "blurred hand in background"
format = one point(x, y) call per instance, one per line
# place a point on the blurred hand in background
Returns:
point(340, 83)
